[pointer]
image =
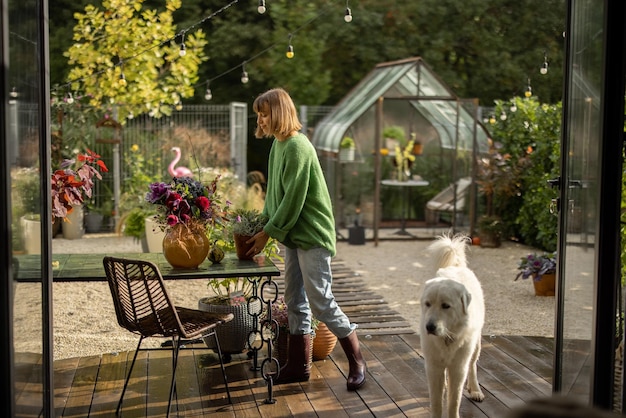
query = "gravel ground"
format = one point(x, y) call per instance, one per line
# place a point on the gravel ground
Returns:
point(85, 323)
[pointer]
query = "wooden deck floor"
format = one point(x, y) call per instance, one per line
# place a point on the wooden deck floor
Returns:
point(512, 370)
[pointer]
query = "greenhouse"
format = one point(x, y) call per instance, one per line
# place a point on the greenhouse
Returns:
point(401, 137)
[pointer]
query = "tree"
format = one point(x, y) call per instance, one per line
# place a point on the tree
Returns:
point(125, 55)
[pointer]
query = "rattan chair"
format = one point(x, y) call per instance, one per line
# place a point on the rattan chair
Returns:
point(143, 307)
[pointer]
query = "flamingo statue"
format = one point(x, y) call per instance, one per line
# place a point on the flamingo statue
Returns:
point(178, 171)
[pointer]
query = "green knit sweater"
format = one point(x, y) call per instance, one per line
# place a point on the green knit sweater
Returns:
point(297, 201)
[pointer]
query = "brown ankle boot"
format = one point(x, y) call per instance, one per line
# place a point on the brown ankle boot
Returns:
point(297, 368)
point(356, 375)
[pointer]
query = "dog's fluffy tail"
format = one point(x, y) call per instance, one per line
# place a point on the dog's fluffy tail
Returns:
point(450, 250)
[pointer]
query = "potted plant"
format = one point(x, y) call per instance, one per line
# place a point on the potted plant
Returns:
point(542, 268)
point(244, 224)
point(495, 177)
point(394, 137)
point(230, 295)
point(347, 149)
point(418, 147)
point(491, 229)
point(185, 208)
point(72, 184)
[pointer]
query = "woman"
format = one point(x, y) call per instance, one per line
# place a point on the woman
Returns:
point(300, 214)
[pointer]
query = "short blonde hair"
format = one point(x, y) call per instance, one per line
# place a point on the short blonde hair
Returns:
point(277, 104)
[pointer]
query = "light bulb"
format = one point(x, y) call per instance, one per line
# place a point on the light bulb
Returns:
point(14, 93)
point(528, 92)
point(208, 95)
point(261, 9)
point(513, 108)
point(289, 54)
point(179, 106)
point(183, 50)
point(70, 99)
point(348, 16)
point(122, 80)
point(544, 68)
point(244, 77)
point(492, 119)
point(503, 115)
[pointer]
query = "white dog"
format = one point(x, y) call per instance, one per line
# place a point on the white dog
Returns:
point(453, 313)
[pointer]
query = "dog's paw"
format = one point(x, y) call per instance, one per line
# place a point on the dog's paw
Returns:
point(476, 395)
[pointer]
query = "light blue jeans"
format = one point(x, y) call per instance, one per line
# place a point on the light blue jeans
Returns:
point(308, 280)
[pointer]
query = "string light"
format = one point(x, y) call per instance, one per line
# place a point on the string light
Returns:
point(208, 95)
point(492, 119)
point(529, 90)
point(513, 107)
point(544, 66)
point(183, 49)
point(503, 116)
point(348, 16)
point(244, 74)
point(70, 98)
point(289, 54)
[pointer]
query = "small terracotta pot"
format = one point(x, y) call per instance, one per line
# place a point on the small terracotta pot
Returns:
point(241, 246)
point(545, 286)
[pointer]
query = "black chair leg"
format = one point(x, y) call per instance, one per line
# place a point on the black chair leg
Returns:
point(119, 404)
point(175, 352)
point(219, 354)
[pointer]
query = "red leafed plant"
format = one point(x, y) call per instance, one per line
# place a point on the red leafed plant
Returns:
point(70, 186)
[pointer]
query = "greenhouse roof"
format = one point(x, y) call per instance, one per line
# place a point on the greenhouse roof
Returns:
point(411, 80)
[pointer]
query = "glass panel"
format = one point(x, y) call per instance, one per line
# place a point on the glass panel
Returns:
point(579, 210)
point(23, 151)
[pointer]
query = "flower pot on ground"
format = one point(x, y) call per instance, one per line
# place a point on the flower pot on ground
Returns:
point(31, 233)
point(490, 231)
point(73, 224)
point(323, 343)
point(233, 335)
point(93, 222)
point(154, 235)
point(542, 269)
point(71, 187)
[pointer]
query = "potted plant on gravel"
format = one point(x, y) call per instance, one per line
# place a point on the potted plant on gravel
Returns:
point(71, 186)
point(542, 268)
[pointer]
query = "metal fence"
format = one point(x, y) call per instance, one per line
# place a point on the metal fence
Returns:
point(141, 148)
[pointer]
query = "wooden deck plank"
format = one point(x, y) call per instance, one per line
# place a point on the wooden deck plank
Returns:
point(109, 383)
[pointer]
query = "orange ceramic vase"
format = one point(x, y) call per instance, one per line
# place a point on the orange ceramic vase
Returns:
point(185, 247)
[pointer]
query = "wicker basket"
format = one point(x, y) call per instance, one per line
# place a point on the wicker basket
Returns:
point(233, 335)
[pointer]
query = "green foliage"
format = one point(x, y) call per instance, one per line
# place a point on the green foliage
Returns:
point(502, 44)
point(347, 143)
point(122, 39)
point(246, 221)
point(395, 132)
point(530, 134)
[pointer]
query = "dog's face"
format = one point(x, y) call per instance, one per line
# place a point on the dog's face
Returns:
point(444, 305)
